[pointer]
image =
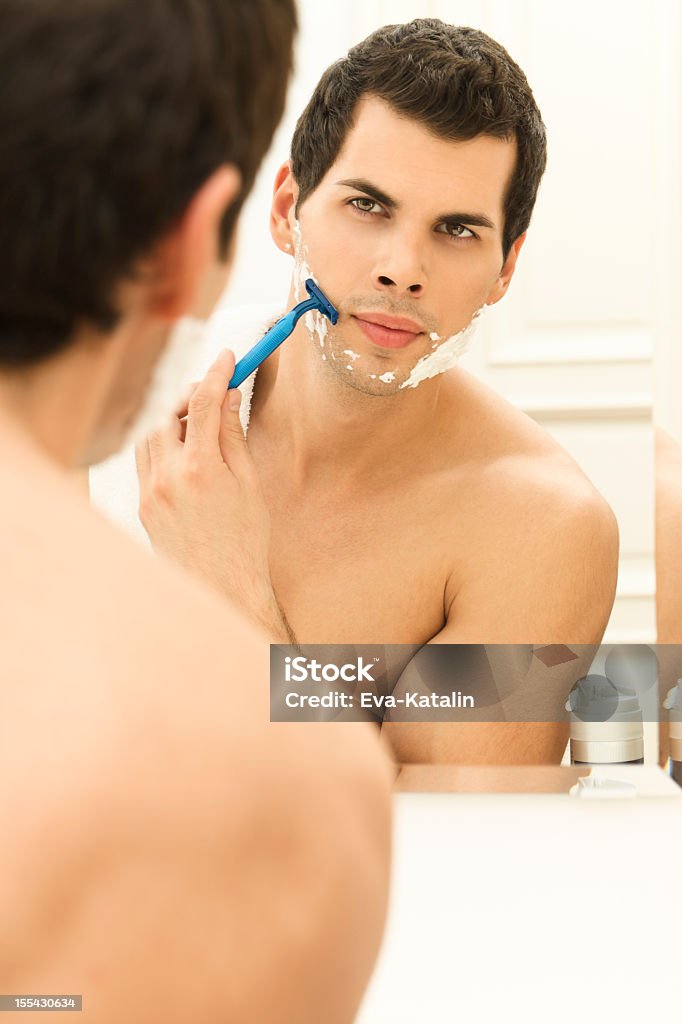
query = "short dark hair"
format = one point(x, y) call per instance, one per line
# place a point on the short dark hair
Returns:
point(112, 114)
point(457, 82)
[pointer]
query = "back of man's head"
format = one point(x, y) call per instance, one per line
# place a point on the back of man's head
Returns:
point(112, 114)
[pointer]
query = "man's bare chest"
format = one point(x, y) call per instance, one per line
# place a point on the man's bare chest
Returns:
point(366, 571)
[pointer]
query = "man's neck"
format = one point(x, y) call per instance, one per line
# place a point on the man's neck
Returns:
point(37, 416)
point(325, 428)
point(52, 405)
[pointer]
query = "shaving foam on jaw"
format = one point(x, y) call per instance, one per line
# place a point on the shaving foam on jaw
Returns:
point(315, 321)
point(445, 355)
point(316, 324)
point(301, 269)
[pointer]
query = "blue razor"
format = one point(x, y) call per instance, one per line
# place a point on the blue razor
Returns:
point(281, 331)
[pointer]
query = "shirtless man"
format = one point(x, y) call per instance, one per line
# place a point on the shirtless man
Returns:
point(435, 513)
point(167, 852)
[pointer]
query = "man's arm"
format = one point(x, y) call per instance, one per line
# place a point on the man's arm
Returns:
point(556, 587)
point(201, 502)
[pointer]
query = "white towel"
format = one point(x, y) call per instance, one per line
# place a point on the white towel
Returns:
point(114, 488)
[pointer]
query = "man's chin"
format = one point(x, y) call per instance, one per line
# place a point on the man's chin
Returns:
point(366, 377)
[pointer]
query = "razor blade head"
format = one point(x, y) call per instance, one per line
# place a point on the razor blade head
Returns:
point(323, 303)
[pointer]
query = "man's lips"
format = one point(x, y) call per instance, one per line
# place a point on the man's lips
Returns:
point(388, 331)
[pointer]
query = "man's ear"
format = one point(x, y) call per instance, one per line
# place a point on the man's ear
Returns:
point(189, 253)
point(284, 197)
point(507, 272)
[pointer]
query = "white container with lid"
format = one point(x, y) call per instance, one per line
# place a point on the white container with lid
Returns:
point(605, 723)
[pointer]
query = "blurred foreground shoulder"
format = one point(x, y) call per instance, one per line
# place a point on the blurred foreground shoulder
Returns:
point(202, 861)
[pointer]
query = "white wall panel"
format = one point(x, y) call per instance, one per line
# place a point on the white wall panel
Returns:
point(667, 220)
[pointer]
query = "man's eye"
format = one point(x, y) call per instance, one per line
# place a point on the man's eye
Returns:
point(364, 205)
point(455, 230)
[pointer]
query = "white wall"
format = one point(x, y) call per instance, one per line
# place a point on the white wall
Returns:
point(573, 342)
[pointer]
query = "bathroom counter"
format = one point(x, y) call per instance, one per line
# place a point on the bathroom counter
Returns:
point(531, 904)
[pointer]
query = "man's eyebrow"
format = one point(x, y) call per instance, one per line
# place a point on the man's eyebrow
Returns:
point(372, 191)
point(362, 185)
point(477, 219)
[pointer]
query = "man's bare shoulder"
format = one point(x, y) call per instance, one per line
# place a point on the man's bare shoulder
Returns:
point(127, 640)
point(111, 657)
point(135, 728)
point(71, 566)
point(509, 458)
point(535, 528)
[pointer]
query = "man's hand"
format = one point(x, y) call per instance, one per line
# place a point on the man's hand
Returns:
point(200, 498)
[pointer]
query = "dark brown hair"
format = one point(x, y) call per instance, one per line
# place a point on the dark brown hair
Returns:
point(457, 82)
point(112, 115)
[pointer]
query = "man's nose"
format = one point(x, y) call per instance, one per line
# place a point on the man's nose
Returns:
point(400, 270)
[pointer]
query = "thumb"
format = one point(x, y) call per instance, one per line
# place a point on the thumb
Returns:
point(232, 441)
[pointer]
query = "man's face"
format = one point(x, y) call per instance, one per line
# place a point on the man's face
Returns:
point(407, 225)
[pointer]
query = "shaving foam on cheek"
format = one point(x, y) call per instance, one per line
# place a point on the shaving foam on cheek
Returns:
point(445, 355)
point(316, 323)
point(301, 269)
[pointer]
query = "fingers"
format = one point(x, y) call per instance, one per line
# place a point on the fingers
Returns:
point(233, 446)
point(205, 406)
point(182, 410)
point(164, 443)
point(143, 463)
point(183, 403)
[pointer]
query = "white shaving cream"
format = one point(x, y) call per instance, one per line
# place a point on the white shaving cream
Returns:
point(301, 269)
point(444, 356)
point(316, 324)
point(315, 321)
